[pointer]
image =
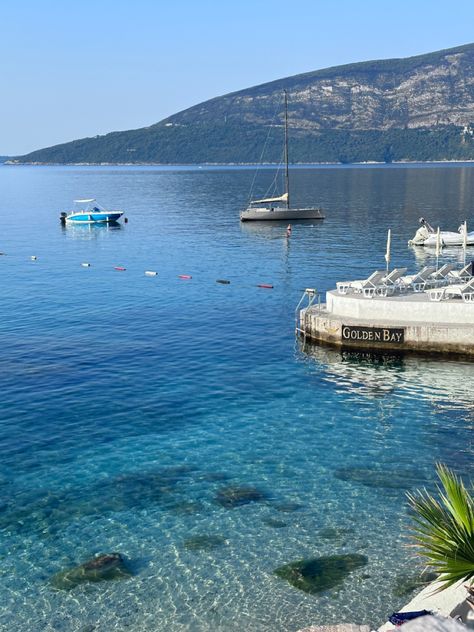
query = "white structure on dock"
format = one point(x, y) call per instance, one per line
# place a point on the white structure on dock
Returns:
point(431, 312)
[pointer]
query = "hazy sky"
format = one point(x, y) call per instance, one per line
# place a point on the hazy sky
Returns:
point(76, 68)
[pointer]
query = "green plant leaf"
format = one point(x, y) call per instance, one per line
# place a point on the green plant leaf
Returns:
point(443, 530)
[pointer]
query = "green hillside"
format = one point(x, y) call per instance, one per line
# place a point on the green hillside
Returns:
point(219, 144)
point(420, 108)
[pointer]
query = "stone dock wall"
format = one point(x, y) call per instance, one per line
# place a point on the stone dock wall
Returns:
point(388, 324)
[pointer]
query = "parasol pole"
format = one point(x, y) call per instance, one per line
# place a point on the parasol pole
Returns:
point(387, 252)
point(464, 241)
point(438, 247)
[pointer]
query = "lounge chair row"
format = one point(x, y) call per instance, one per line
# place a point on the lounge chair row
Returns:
point(381, 283)
point(465, 291)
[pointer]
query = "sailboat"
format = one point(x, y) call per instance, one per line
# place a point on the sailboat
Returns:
point(278, 208)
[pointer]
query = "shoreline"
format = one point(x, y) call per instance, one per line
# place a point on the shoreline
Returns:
point(369, 163)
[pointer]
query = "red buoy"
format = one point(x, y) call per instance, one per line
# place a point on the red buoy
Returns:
point(265, 285)
point(120, 268)
point(184, 276)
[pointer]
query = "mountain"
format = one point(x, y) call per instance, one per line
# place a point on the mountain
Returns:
point(418, 108)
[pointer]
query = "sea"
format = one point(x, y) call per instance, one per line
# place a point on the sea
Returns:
point(181, 423)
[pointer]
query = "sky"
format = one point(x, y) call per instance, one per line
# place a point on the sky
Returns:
point(76, 68)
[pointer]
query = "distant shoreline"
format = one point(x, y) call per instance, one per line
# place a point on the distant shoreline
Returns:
point(13, 163)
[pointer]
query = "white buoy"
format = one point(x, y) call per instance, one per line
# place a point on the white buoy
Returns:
point(33, 258)
point(150, 273)
point(86, 265)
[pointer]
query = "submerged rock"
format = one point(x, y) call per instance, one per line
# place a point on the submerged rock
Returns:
point(407, 584)
point(45, 511)
point(334, 533)
point(320, 573)
point(104, 567)
point(274, 522)
point(235, 496)
point(288, 507)
point(204, 542)
point(213, 477)
point(389, 477)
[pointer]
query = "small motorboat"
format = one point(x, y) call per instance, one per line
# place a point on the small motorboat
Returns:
point(426, 235)
point(89, 212)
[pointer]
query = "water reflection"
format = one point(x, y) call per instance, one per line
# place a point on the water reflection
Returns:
point(275, 229)
point(447, 384)
point(425, 255)
point(89, 231)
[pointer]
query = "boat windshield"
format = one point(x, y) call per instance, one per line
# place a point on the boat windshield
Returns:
point(88, 205)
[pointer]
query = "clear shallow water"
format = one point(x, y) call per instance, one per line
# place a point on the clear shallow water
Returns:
point(128, 402)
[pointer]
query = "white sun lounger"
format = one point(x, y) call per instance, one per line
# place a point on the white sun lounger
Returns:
point(366, 286)
point(466, 292)
point(417, 282)
point(464, 275)
point(441, 276)
point(390, 282)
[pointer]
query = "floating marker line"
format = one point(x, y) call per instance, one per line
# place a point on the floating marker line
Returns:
point(153, 273)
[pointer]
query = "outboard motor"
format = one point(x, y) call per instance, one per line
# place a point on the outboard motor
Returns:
point(420, 237)
point(62, 218)
point(428, 227)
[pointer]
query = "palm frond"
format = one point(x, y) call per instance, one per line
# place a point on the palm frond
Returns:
point(443, 529)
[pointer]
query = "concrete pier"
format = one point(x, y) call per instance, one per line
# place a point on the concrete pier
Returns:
point(408, 322)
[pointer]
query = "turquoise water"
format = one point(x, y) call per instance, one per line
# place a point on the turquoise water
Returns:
point(129, 402)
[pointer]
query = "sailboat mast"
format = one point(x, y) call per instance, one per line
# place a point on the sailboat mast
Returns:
point(287, 175)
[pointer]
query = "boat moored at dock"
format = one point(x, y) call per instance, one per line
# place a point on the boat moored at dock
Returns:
point(426, 235)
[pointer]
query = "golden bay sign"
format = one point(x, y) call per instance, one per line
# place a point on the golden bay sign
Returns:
point(383, 335)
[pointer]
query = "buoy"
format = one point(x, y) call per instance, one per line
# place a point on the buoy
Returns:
point(86, 265)
point(1, 253)
point(265, 285)
point(33, 258)
point(184, 276)
point(150, 273)
point(125, 220)
point(223, 281)
point(120, 268)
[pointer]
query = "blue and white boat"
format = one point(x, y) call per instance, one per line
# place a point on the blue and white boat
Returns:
point(90, 212)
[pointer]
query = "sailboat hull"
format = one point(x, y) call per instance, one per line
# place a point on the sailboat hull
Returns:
point(265, 214)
